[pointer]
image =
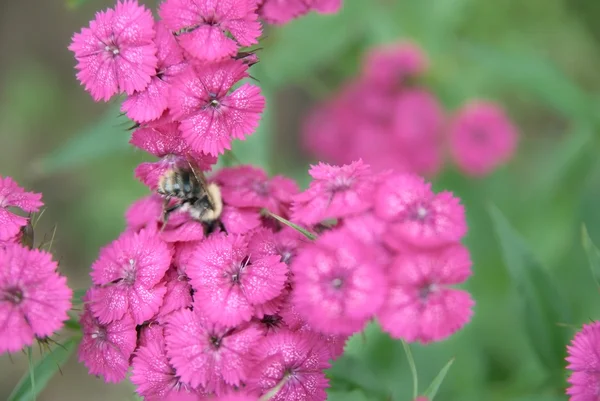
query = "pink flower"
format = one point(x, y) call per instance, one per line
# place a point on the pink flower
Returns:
point(326, 6)
point(333, 343)
point(417, 216)
point(339, 283)
point(237, 397)
point(238, 220)
point(248, 186)
point(12, 195)
point(284, 243)
point(421, 305)
point(34, 299)
point(178, 295)
point(203, 26)
point(334, 192)
point(148, 213)
point(229, 281)
point(210, 116)
point(163, 139)
point(282, 11)
point(389, 65)
point(129, 273)
point(105, 348)
point(150, 103)
point(584, 362)
point(481, 138)
point(153, 375)
point(297, 359)
point(117, 52)
point(417, 124)
point(421, 399)
point(205, 354)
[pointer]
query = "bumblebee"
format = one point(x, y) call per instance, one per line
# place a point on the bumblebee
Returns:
point(186, 184)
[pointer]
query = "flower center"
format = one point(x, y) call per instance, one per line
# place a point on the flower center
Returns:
point(14, 295)
point(99, 334)
point(215, 341)
point(340, 184)
point(236, 275)
point(271, 321)
point(419, 212)
point(129, 273)
point(337, 283)
point(261, 188)
point(112, 48)
point(426, 290)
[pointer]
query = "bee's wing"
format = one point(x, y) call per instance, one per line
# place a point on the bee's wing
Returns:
point(201, 178)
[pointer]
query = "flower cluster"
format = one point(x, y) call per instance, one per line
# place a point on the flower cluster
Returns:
point(34, 298)
point(251, 304)
point(389, 120)
point(584, 362)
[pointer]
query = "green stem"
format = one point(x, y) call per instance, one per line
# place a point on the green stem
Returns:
point(31, 371)
point(275, 389)
point(413, 369)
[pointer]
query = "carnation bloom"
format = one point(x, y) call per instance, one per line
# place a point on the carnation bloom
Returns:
point(417, 216)
point(205, 354)
point(421, 305)
point(296, 359)
point(584, 362)
point(162, 139)
point(117, 52)
point(105, 348)
point(481, 138)
point(34, 299)
point(12, 195)
point(128, 273)
point(334, 192)
point(150, 103)
point(229, 281)
point(153, 375)
point(390, 64)
point(339, 283)
point(178, 295)
point(416, 126)
point(248, 186)
point(210, 116)
point(203, 26)
point(283, 243)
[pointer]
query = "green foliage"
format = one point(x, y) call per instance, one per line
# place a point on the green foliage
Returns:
point(593, 255)
point(40, 373)
point(433, 388)
point(541, 304)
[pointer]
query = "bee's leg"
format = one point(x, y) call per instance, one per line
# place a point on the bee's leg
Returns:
point(167, 210)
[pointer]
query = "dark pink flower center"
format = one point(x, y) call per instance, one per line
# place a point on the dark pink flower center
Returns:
point(99, 334)
point(111, 48)
point(271, 321)
point(426, 290)
point(340, 183)
point(261, 188)
point(238, 270)
point(129, 273)
point(14, 295)
point(418, 212)
point(286, 255)
point(213, 100)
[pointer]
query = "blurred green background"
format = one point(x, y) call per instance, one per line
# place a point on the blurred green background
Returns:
point(539, 58)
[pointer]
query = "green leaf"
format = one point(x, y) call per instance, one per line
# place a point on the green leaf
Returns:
point(104, 138)
point(43, 371)
point(77, 295)
point(433, 388)
point(532, 74)
point(354, 395)
point(413, 368)
point(593, 254)
point(542, 307)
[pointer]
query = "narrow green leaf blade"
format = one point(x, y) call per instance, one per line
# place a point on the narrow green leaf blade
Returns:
point(433, 388)
point(43, 371)
point(104, 138)
point(593, 254)
point(542, 307)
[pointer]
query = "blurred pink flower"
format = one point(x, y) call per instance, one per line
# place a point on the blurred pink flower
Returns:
point(334, 192)
point(208, 355)
point(389, 65)
point(34, 298)
point(128, 274)
point(229, 281)
point(481, 138)
point(211, 116)
point(421, 305)
point(212, 30)
point(178, 295)
point(417, 216)
point(584, 363)
point(117, 52)
point(282, 11)
point(105, 348)
point(297, 359)
point(150, 103)
point(339, 283)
